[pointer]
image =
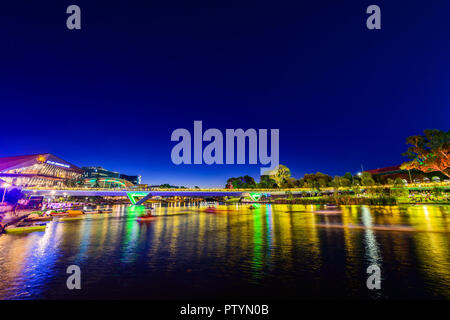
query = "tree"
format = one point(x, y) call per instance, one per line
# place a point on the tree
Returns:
point(233, 183)
point(367, 180)
point(398, 182)
point(312, 184)
point(335, 182)
point(340, 182)
point(266, 182)
point(249, 182)
point(317, 180)
point(289, 183)
point(429, 152)
point(299, 183)
point(324, 180)
point(246, 182)
point(280, 174)
point(356, 180)
point(349, 177)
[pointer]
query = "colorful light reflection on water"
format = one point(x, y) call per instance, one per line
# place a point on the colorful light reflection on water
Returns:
point(272, 251)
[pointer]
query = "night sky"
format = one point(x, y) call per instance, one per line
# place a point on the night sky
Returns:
point(111, 93)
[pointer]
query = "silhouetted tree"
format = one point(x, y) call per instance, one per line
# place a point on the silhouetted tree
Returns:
point(429, 152)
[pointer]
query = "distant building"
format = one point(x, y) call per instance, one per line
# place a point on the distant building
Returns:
point(133, 179)
point(416, 176)
point(94, 172)
point(38, 170)
point(99, 177)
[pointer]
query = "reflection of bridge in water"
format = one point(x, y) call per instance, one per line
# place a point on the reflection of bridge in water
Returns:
point(139, 197)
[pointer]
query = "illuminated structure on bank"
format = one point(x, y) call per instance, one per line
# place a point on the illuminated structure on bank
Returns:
point(38, 170)
point(107, 183)
point(111, 178)
point(48, 170)
point(408, 176)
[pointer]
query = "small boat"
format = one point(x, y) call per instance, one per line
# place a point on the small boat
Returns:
point(74, 212)
point(105, 210)
point(329, 212)
point(91, 211)
point(22, 229)
point(145, 218)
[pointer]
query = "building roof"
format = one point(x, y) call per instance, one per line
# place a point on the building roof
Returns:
point(385, 170)
point(10, 163)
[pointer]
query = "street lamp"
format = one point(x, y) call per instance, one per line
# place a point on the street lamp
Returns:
point(5, 185)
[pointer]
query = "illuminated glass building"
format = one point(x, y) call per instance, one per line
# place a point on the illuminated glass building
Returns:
point(94, 175)
point(39, 170)
point(98, 172)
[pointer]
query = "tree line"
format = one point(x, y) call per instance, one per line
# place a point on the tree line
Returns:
point(427, 153)
point(282, 179)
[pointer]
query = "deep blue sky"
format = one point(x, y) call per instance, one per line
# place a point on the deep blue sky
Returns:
point(112, 93)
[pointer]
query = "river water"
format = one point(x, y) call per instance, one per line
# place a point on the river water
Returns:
point(270, 252)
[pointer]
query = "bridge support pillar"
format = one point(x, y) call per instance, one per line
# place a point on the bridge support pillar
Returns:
point(143, 199)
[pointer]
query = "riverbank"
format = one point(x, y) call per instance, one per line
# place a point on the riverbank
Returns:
point(12, 217)
point(352, 200)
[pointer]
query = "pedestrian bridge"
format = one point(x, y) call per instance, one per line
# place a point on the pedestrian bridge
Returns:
point(139, 197)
